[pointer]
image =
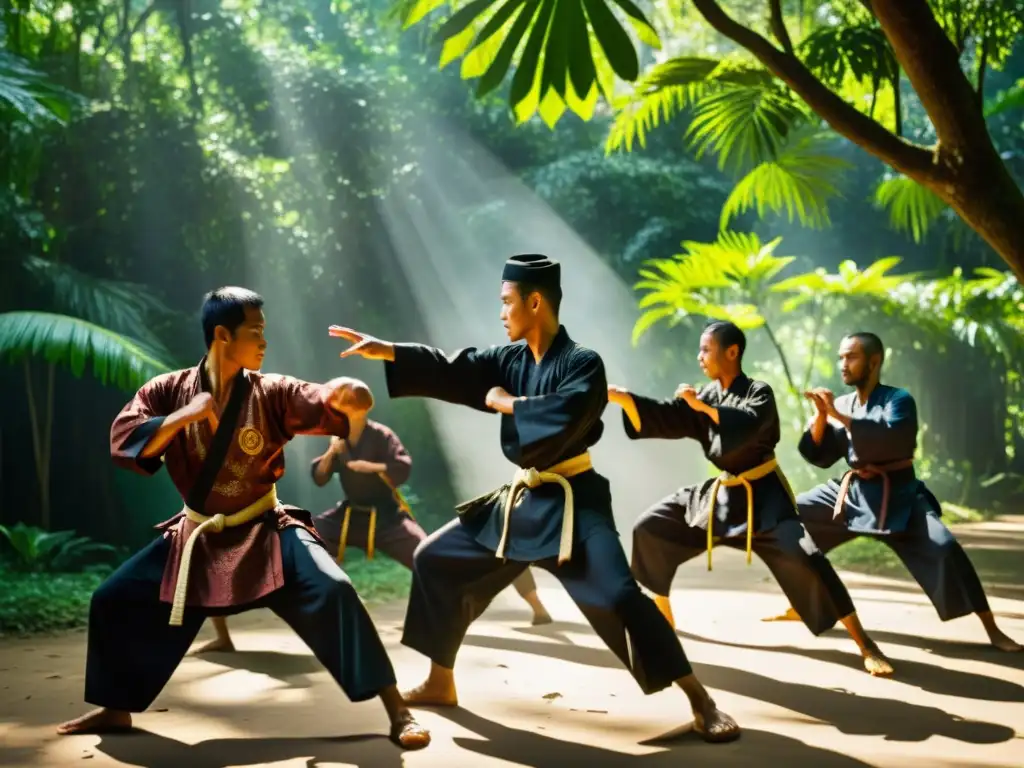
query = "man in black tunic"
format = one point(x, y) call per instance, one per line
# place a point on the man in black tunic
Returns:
point(750, 504)
point(875, 429)
point(556, 513)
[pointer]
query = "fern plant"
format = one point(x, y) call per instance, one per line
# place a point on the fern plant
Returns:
point(756, 127)
point(736, 278)
point(800, 181)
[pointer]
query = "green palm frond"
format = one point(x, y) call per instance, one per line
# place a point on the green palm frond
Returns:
point(833, 52)
point(670, 87)
point(563, 52)
point(801, 181)
point(744, 125)
point(72, 343)
point(874, 282)
point(123, 307)
point(27, 94)
point(913, 209)
point(723, 280)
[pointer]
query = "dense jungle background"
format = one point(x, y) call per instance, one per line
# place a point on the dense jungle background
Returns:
point(153, 150)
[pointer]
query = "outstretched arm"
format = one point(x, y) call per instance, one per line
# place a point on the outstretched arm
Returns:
point(304, 408)
point(645, 417)
point(416, 370)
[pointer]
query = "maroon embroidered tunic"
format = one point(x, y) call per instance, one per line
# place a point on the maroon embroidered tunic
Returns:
point(241, 564)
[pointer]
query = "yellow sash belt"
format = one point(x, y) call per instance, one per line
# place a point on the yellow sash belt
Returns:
point(531, 478)
point(216, 524)
point(726, 480)
point(371, 533)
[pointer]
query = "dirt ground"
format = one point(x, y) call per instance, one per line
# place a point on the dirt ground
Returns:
point(554, 697)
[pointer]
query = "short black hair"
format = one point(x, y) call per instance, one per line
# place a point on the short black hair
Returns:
point(870, 343)
point(727, 334)
point(226, 306)
point(552, 294)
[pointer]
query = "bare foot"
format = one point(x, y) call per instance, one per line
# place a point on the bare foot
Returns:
point(876, 663)
point(100, 720)
point(789, 615)
point(217, 645)
point(540, 618)
point(1004, 642)
point(431, 694)
point(715, 726)
point(408, 734)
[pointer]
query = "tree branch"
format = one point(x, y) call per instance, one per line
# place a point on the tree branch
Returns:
point(778, 24)
point(907, 158)
point(126, 34)
point(932, 65)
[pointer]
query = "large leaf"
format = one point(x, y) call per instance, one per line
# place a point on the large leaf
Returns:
point(559, 48)
point(72, 342)
point(874, 282)
point(669, 87)
point(744, 125)
point(120, 306)
point(38, 550)
point(801, 181)
point(860, 50)
point(913, 209)
point(724, 280)
point(28, 95)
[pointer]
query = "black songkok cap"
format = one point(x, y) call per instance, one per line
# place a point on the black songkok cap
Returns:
point(533, 269)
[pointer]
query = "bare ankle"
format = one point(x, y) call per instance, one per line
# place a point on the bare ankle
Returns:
point(698, 695)
point(441, 676)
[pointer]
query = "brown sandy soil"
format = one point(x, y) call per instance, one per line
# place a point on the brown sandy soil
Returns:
point(552, 697)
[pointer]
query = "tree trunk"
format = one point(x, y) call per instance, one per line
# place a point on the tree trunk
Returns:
point(963, 169)
point(40, 448)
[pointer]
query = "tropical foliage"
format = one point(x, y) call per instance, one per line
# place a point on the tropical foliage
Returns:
point(736, 278)
point(35, 550)
point(844, 67)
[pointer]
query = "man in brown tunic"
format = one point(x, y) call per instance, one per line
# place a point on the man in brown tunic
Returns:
point(220, 428)
point(371, 464)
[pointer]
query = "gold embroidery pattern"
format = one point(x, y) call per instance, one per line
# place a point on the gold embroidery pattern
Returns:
point(250, 441)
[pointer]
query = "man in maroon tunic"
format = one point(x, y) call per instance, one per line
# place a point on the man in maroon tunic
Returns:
point(371, 463)
point(220, 428)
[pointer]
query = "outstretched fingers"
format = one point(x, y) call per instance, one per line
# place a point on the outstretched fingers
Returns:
point(356, 349)
point(348, 334)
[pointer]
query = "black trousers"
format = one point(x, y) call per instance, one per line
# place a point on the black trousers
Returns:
point(133, 652)
point(455, 578)
point(927, 548)
point(663, 540)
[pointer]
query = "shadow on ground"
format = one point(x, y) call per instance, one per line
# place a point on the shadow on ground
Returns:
point(849, 713)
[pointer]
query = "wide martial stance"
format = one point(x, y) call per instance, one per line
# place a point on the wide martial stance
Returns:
point(555, 513)
point(874, 428)
point(220, 428)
